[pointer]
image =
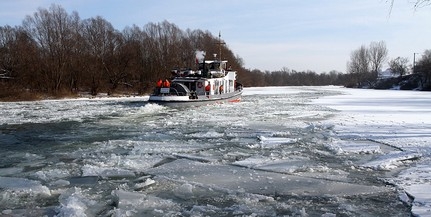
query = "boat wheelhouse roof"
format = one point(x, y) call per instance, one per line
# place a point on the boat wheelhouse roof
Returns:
point(217, 61)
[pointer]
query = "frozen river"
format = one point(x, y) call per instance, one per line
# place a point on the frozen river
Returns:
point(294, 151)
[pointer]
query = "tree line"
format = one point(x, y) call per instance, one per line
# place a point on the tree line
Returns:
point(57, 53)
point(366, 63)
point(54, 53)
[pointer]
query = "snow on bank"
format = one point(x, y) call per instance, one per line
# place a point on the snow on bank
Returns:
point(400, 119)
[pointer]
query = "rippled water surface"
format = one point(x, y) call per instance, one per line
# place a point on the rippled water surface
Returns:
point(263, 156)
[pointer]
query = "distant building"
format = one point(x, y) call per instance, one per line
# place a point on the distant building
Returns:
point(386, 74)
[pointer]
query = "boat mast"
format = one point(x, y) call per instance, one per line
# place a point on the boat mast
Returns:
point(219, 44)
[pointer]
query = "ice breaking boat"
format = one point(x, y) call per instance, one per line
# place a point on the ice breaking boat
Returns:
point(213, 82)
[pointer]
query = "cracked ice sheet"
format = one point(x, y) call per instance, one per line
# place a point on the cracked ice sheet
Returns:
point(391, 160)
point(256, 182)
point(348, 147)
point(23, 186)
point(298, 165)
point(399, 118)
point(416, 182)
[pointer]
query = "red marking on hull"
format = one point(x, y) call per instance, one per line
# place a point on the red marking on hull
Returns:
point(235, 100)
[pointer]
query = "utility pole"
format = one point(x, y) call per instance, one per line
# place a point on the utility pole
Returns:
point(414, 62)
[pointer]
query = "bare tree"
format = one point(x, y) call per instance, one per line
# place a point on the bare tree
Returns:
point(8, 36)
point(399, 66)
point(378, 54)
point(417, 4)
point(359, 65)
point(19, 57)
point(99, 36)
point(422, 3)
point(134, 38)
point(423, 66)
point(54, 31)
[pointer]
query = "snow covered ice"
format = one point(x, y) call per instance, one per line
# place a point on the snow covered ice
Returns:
point(399, 119)
point(292, 151)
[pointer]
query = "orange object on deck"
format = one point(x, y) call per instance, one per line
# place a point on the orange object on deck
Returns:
point(159, 83)
point(166, 83)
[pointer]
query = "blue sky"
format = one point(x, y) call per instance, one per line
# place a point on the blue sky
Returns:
point(267, 34)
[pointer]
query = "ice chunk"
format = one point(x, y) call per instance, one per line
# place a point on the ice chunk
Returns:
point(329, 215)
point(293, 164)
point(10, 171)
point(208, 134)
point(405, 198)
point(36, 211)
point(24, 186)
point(275, 140)
point(90, 170)
point(257, 182)
point(60, 183)
point(83, 180)
point(422, 201)
point(353, 147)
point(185, 191)
point(139, 204)
point(392, 160)
point(74, 202)
point(142, 185)
point(416, 183)
point(51, 174)
point(252, 162)
point(194, 157)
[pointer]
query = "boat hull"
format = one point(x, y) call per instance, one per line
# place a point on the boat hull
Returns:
point(184, 101)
